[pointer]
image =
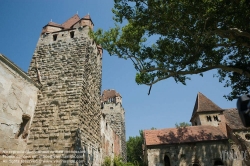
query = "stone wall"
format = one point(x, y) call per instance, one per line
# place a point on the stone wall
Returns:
point(115, 116)
point(18, 98)
point(203, 154)
point(111, 142)
point(67, 116)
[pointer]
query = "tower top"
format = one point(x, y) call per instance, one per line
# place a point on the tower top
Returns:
point(74, 22)
point(111, 95)
point(204, 104)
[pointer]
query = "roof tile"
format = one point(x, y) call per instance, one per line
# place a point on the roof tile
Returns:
point(183, 135)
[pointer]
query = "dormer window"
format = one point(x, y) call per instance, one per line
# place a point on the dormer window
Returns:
point(54, 37)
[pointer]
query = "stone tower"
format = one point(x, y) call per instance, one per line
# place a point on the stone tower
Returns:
point(68, 65)
point(115, 116)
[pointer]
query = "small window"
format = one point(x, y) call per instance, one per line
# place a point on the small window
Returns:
point(72, 33)
point(111, 108)
point(209, 119)
point(54, 37)
point(216, 118)
point(247, 136)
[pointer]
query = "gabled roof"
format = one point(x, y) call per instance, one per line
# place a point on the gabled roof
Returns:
point(54, 24)
point(183, 135)
point(203, 104)
point(110, 93)
point(233, 119)
point(87, 17)
point(67, 24)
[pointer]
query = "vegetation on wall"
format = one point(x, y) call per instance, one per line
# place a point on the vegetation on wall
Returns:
point(175, 39)
point(182, 124)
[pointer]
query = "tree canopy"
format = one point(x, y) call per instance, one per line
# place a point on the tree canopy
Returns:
point(134, 149)
point(175, 39)
point(182, 124)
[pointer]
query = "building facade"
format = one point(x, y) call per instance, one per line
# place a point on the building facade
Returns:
point(59, 118)
point(216, 137)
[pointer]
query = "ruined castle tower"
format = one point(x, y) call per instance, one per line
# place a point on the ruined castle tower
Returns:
point(68, 65)
point(115, 116)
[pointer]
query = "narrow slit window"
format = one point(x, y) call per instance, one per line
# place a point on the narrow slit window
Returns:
point(72, 33)
point(54, 37)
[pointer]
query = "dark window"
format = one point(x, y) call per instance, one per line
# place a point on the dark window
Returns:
point(247, 136)
point(216, 118)
point(218, 162)
point(111, 108)
point(166, 161)
point(209, 119)
point(72, 33)
point(54, 37)
point(24, 127)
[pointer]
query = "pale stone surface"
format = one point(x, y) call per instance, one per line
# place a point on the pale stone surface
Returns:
point(18, 97)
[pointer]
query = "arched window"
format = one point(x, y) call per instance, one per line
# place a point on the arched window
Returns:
point(166, 161)
point(218, 162)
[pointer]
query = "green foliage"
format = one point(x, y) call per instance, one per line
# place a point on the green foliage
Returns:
point(182, 124)
point(175, 39)
point(117, 161)
point(134, 149)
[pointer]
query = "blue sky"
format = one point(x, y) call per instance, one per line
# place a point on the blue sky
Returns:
point(21, 24)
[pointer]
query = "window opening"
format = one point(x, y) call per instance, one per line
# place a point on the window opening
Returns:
point(111, 108)
point(218, 162)
point(72, 33)
point(166, 161)
point(247, 136)
point(209, 119)
point(54, 37)
point(24, 126)
point(216, 118)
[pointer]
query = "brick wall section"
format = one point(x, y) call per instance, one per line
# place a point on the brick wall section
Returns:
point(67, 116)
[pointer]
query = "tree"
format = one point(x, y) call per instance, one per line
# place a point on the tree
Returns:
point(134, 149)
point(189, 37)
point(182, 124)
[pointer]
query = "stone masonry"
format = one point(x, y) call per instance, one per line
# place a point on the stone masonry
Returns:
point(67, 63)
point(115, 116)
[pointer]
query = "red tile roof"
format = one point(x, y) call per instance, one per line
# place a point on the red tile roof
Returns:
point(87, 17)
point(183, 135)
point(54, 24)
point(203, 104)
point(67, 24)
point(233, 119)
point(110, 93)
